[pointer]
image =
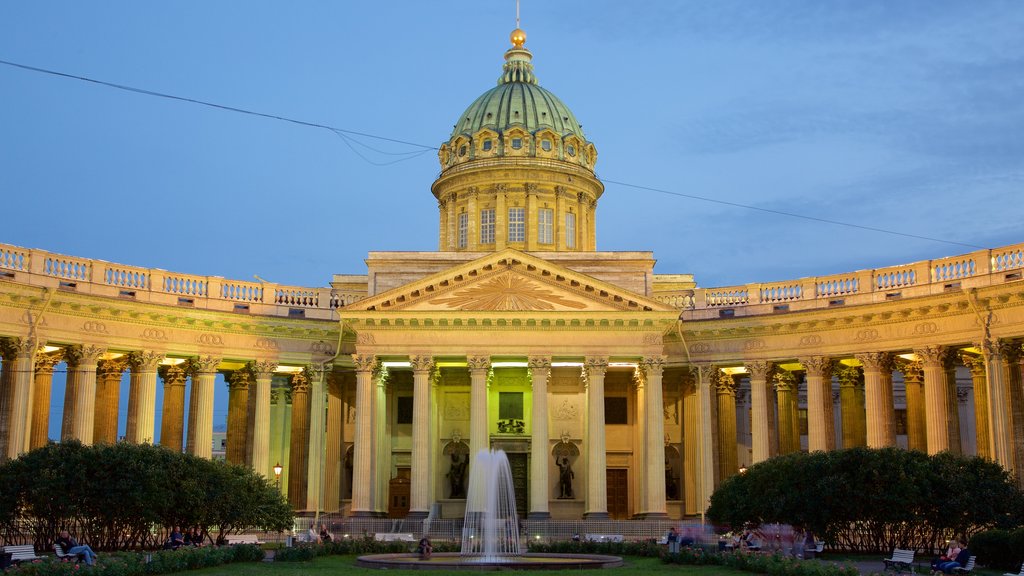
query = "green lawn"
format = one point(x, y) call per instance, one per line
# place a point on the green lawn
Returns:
point(345, 566)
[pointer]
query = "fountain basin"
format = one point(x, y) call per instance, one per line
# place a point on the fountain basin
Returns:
point(455, 561)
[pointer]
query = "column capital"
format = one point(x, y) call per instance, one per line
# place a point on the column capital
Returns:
point(364, 362)
point(46, 362)
point(144, 361)
point(173, 375)
point(112, 367)
point(849, 375)
point(239, 379)
point(422, 363)
point(726, 384)
point(912, 370)
point(300, 383)
point(975, 363)
point(653, 364)
point(203, 365)
point(539, 363)
point(820, 366)
point(315, 372)
point(262, 368)
point(596, 364)
point(875, 360)
point(931, 356)
point(478, 363)
point(760, 369)
point(785, 381)
point(83, 355)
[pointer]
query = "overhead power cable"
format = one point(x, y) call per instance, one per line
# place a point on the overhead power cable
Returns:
point(346, 134)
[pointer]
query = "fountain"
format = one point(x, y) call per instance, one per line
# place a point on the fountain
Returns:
point(490, 532)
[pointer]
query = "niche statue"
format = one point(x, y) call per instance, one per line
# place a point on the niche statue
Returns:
point(457, 475)
point(565, 476)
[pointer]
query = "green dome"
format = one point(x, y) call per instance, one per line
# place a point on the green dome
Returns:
point(518, 100)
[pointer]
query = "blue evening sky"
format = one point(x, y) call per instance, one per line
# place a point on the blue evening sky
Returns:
point(905, 115)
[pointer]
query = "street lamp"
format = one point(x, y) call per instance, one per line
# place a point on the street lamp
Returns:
point(277, 474)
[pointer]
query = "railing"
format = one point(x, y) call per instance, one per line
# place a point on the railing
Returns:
point(981, 268)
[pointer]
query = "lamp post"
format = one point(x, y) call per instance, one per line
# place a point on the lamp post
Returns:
point(277, 474)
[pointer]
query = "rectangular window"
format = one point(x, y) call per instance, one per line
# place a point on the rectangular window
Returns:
point(545, 225)
point(901, 422)
point(487, 226)
point(463, 230)
point(517, 224)
point(403, 410)
point(510, 405)
point(570, 230)
point(616, 410)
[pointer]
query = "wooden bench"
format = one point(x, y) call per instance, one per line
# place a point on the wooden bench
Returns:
point(58, 551)
point(901, 560)
point(1021, 573)
point(244, 539)
point(394, 537)
point(603, 537)
point(22, 553)
point(965, 569)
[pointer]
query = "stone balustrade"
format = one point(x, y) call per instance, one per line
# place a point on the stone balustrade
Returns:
point(97, 277)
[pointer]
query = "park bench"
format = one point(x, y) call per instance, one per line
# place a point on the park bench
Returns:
point(966, 569)
point(244, 539)
point(603, 537)
point(1021, 573)
point(394, 537)
point(901, 560)
point(21, 553)
point(58, 551)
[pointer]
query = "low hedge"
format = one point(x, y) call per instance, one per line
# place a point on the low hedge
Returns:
point(773, 565)
point(142, 563)
point(1000, 549)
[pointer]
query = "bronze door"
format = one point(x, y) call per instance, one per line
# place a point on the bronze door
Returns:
point(399, 491)
point(618, 493)
point(520, 481)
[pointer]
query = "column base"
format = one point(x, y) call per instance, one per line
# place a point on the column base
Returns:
point(595, 516)
point(416, 515)
point(538, 516)
point(651, 516)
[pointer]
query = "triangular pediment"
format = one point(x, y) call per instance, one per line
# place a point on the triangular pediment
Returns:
point(509, 281)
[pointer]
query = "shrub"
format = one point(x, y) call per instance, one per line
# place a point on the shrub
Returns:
point(759, 563)
point(999, 548)
point(136, 564)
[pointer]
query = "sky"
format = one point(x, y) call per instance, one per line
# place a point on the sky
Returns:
point(906, 116)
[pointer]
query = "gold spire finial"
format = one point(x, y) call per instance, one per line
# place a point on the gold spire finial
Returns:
point(518, 38)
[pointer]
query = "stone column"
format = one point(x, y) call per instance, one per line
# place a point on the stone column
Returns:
point(259, 457)
point(1012, 374)
point(316, 430)
point(561, 193)
point(530, 195)
point(140, 427)
point(654, 437)
point(881, 430)
point(952, 403)
point(336, 385)
point(479, 438)
point(759, 422)
point(936, 398)
point(363, 451)
point(108, 399)
point(298, 453)
point(597, 478)
point(9, 351)
point(913, 379)
point(821, 433)
point(728, 461)
point(382, 443)
point(540, 371)
point(173, 416)
point(691, 445)
point(500, 216)
point(43, 387)
point(789, 419)
point(420, 497)
point(708, 466)
point(19, 413)
point(200, 407)
point(83, 412)
point(976, 364)
point(238, 413)
point(849, 380)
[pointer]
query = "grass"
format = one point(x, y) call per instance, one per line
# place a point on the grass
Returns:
point(345, 566)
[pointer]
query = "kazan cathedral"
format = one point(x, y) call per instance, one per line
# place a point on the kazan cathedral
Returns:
point(616, 391)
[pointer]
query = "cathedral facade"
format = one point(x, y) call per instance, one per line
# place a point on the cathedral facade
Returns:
point(616, 391)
